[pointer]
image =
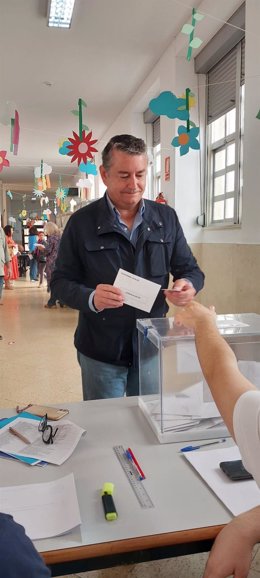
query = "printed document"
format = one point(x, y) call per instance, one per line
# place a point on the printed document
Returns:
point(238, 496)
point(138, 292)
point(64, 443)
point(46, 509)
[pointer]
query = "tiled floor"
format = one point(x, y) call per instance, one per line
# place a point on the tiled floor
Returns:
point(38, 363)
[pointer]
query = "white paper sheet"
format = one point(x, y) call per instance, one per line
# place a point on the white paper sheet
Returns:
point(186, 410)
point(138, 292)
point(45, 510)
point(65, 441)
point(238, 497)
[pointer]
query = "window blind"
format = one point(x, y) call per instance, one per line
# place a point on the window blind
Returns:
point(222, 79)
point(156, 132)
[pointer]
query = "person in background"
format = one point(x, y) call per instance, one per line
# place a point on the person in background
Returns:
point(40, 256)
point(238, 401)
point(13, 250)
point(161, 199)
point(5, 261)
point(33, 240)
point(120, 230)
point(50, 251)
point(19, 558)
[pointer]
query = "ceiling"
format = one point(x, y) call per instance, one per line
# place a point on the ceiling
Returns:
point(111, 47)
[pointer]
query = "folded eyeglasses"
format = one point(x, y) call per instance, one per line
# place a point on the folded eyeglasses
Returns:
point(48, 432)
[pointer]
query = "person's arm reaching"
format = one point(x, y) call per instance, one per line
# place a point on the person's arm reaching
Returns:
point(217, 360)
point(231, 553)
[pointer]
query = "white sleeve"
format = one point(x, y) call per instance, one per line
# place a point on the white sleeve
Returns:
point(246, 424)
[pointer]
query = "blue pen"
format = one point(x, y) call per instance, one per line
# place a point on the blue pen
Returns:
point(191, 448)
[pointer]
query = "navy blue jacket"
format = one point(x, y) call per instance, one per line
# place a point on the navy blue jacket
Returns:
point(18, 556)
point(93, 248)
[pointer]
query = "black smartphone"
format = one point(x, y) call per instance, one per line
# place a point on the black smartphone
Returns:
point(235, 470)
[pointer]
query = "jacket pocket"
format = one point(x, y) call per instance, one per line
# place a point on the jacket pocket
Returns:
point(102, 259)
point(158, 257)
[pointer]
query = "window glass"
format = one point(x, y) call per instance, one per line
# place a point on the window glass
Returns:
point(218, 129)
point(220, 160)
point(229, 208)
point(230, 181)
point(231, 121)
point(219, 185)
point(218, 211)
point(231, 154)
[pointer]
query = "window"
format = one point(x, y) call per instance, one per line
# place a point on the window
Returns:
point(225, 105)
point(153, 140)
point(156, 158)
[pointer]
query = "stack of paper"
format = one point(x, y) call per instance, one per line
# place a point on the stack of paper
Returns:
point(37, 452)
point(185, 410)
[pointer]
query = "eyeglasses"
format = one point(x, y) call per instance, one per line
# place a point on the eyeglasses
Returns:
point(48, 432)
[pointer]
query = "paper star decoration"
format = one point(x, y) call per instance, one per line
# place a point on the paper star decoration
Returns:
point(37, 193)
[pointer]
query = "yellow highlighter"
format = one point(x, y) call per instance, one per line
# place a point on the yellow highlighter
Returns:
point(108, 502)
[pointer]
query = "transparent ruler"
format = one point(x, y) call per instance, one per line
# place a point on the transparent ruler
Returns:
point(136, 484)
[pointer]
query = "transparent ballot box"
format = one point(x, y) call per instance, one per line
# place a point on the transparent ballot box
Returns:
point(174, 395)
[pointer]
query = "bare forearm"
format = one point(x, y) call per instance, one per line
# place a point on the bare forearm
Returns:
point(219, 366)
point(217, 360)
point(231, 554)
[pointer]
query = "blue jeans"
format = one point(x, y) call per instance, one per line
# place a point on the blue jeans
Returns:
point(102, 380)
point(1, 285)
point(33, 269)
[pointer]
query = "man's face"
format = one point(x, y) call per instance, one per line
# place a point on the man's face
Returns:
point(125, 179)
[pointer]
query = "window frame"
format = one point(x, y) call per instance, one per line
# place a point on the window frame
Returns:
point(212, 148)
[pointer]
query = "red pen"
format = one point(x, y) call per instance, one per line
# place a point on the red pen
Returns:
point(136, 463)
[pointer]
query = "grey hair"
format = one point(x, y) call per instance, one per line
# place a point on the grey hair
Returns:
point(51, 229)
point(126, 143)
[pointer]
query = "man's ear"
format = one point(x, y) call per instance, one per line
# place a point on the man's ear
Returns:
point(103, 174)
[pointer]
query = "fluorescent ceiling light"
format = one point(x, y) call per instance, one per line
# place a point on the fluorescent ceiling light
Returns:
point(60, 13)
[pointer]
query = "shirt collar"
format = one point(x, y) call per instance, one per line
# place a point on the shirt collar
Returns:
point(114, 210)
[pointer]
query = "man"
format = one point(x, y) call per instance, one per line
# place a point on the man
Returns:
point(4, 260)
point(121, 230)
point(18, 556)
point(239, 404)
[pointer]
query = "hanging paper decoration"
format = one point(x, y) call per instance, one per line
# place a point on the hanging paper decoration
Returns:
point(55, 207)
point(9, 194)
point(61, 193)
point(187, 136)
point(4, 162)
point(84, 184)
point(186, 139)
point(12, 220)
point(42, 173)
point(194, 42)
point(258, 115)
point(63, 149)
point(47, 212)
point(72, 205)
point(80, 148)
point(89, 168)
point(15, 133)
point(167, 104)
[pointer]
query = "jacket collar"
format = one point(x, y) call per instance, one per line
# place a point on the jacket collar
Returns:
point(107, 223)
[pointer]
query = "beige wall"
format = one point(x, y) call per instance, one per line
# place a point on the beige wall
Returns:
point(232, 276)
